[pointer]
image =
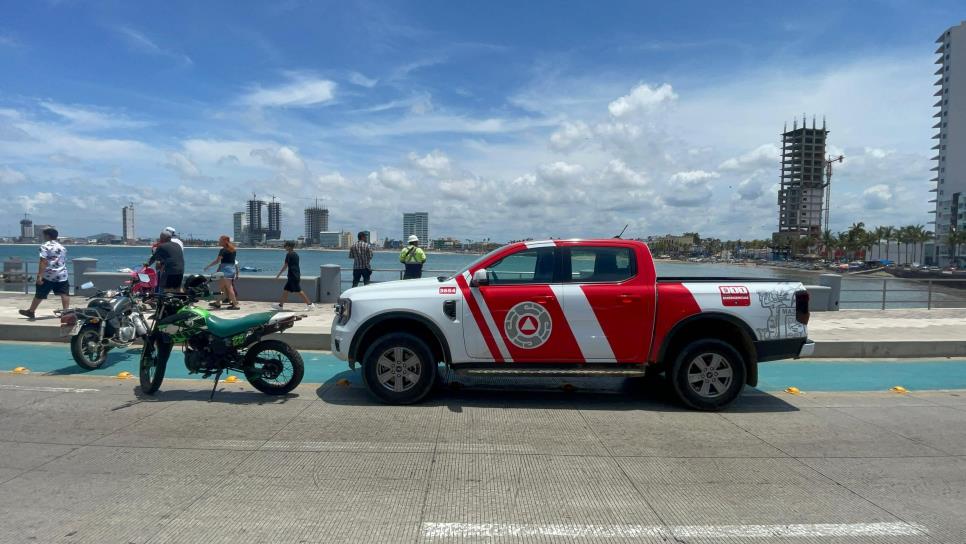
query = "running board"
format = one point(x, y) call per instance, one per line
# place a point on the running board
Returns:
point(553, 372)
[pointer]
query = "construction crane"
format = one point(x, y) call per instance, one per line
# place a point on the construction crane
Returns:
point(828, 187)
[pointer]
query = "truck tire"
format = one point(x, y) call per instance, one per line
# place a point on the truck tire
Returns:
point(398, 368)
point(708, 374)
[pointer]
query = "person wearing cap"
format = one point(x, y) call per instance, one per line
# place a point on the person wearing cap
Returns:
point(170, 257)
point(413, 257)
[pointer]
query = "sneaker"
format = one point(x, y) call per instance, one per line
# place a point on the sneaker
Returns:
point(277, 307)
point(28, 314)
point(310, 307)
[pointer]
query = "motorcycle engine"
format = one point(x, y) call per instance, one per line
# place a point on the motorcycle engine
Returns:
point(126, 333)
point(197, 353)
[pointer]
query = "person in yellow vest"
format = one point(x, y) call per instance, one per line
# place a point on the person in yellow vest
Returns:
point(413, 258)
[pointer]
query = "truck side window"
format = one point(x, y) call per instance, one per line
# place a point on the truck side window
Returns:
point(602, 264)
point(528, 266)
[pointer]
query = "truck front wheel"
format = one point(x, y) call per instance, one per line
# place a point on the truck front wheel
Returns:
point(708, 374)
point(398, 368)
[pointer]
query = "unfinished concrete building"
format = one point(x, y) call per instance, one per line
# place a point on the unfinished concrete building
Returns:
point(803, 192)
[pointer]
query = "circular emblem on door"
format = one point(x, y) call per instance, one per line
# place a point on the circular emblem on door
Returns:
point(527, 325)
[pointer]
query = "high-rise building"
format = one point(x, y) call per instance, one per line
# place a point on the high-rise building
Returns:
point(801, 195)
point(254, 214)
point(316, 221)
point(416, 223)
point(240, 223)
point(950, 139)
point(127, 223)
point(346, 239)
point(26, 229)
point(274, 220)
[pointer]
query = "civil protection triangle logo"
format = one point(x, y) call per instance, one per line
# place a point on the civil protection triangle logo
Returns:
point(528, 325)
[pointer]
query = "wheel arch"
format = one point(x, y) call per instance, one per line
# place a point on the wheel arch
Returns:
point(400, 321)
point(713, 325)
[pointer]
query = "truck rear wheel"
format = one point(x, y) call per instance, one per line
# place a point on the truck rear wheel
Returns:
point(398, 368)
point(708, 374)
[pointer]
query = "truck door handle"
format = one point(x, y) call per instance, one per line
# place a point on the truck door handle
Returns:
point(543, 299)
point(628, 299)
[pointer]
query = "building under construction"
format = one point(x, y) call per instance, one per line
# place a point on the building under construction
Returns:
point(316, 221)
point(803, 193)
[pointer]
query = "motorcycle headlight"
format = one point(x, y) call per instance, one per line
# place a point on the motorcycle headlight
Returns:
point(343, 310)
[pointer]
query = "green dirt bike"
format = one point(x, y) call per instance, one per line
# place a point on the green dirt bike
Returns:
point(213, 345)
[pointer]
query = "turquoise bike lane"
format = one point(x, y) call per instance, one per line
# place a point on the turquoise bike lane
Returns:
point(321, 367)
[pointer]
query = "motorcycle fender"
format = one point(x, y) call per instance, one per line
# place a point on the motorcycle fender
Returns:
point(76, 328)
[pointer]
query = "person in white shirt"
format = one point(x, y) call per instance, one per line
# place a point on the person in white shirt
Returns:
point(174, 236)
point(51, 274)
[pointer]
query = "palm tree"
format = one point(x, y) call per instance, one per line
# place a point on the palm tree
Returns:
point(955, 239)
point(917, 234)
point(828, 240)
point(889, 234)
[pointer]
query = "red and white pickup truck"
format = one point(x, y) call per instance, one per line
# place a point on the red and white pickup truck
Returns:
point(571, 308)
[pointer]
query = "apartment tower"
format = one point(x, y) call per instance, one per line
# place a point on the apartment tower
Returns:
point(950, 139)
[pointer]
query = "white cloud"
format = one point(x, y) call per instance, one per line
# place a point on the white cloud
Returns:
point(138, 40)
point(642, 98)
point(90, 119)
point(282, 157)
point(560, 172)
point(31, 203)
point(434, 163)
point(570, 136)
point(392, 178)
point(750, 189)
point(302, 90)
point(9, 176)
point(877, 197)
point(617, 175)
point(763, 156)
point(184, 166)
point(689, 188)
point(358, 79)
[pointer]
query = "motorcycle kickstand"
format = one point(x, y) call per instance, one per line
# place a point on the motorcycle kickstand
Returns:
point(217, 377)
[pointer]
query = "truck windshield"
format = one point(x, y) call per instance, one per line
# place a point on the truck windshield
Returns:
point(475, 263)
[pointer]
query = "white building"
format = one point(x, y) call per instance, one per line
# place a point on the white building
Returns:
point(950, 138)
point(127, 222)
point(416, 223)
point(329, 239)
point(240, 223)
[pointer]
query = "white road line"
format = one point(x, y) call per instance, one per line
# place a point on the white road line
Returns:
point(47, 389)
point(804, 530)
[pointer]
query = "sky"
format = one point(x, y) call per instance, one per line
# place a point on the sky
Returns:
point(503, 120)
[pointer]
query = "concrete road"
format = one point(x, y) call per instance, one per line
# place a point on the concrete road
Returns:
point(86, 459)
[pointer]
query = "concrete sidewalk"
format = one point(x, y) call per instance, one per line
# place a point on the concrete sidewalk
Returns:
point(842, 334)
point(91, 460)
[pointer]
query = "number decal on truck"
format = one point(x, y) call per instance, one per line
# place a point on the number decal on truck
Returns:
point(528, 325)
point(735, 295)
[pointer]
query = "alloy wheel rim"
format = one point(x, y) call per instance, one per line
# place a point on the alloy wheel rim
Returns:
point(398, 369)
point(710, 375)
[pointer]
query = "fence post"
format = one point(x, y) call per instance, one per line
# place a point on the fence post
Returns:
point(330, 283)
point(82, 266)
point(835, 282)
point(929, 301)
point(884, 282)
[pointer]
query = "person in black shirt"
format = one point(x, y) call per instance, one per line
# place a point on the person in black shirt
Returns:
point(226, 265)
point(170, 257)
point(293, 284)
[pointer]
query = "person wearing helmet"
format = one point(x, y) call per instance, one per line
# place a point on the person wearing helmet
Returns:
point(174, 236)
point(170, 257)
point(413, 257)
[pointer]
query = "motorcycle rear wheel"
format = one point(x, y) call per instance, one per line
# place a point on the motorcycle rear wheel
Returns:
point(86, 348)
point(154, 360)
point(273, 367)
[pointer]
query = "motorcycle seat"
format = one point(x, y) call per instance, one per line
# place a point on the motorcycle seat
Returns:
point(225, 327)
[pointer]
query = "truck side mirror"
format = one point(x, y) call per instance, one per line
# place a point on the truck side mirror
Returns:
point(480, 277)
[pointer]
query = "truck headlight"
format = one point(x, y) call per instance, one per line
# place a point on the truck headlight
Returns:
point(343, 311)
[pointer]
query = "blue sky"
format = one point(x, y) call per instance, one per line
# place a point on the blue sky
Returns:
point(502, 119)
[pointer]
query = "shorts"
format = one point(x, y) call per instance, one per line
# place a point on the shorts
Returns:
point(170, 281)
point(56, 287)
point(293, 285)
point(228, 270)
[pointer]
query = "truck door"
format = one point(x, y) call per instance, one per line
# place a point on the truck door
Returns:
point(518, 316)
point(609, 302)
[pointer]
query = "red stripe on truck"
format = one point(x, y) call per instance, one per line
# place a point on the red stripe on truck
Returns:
point(478, 317)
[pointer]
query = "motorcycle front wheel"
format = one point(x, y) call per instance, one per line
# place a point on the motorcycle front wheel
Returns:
point(154, 360)
point(273, 367)
point(86, 348)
